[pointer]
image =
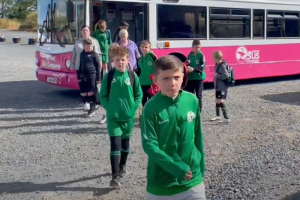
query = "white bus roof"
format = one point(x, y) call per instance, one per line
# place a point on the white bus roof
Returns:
point(203, 2)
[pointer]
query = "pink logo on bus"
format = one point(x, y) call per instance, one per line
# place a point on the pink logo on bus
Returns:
point(245, 56)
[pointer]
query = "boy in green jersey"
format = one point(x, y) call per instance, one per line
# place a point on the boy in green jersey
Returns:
point(196, 69)
point(104, 38)
point(120, 102)
point(172, 137)
point(146, 65)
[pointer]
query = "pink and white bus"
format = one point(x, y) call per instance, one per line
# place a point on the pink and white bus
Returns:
point(259, 38)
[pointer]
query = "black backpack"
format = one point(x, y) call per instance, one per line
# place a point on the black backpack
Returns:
point(110, 77)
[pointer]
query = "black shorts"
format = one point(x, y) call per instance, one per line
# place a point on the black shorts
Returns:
point(221, 94)
point(87, 85)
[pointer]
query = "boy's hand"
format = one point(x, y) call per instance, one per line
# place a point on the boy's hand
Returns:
point(188, 175)
point(190, 69)
point(98, 82)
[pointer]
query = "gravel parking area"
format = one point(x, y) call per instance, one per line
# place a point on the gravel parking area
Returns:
point(49, 151)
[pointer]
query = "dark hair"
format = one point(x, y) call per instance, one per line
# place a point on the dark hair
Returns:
point(87, 41)
point(120, 51)
point(196, 42)
point(85, 26)
point(166, 63)
point(123, 23)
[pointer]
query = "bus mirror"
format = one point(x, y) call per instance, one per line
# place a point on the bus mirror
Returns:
point(70, 11)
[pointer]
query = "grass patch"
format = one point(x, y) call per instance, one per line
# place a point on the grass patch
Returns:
point(9, 24)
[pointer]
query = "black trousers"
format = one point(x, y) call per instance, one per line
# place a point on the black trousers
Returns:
point(195, 87)
point(146, 96)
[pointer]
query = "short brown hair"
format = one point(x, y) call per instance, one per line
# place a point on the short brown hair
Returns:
point(218, 55)
point(146, 42)
point(87, 41)
point(196, 42)
point(166, 63)
point(120, 51)
point(101, 23)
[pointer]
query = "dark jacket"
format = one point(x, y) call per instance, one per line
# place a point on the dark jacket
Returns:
point(89, 65)
point(222, 75)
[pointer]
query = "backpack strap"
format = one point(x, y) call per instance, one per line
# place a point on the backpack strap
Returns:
point(110, 77)
point(132, 80)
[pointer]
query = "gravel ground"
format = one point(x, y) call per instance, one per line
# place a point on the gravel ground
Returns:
point(50, 151)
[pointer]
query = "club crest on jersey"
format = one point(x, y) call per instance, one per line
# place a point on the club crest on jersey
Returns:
point(191, 116)
point(127, 81)
point(197, 62)
point(149, 63)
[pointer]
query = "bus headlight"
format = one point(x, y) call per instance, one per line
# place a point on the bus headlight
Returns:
point(68, 63)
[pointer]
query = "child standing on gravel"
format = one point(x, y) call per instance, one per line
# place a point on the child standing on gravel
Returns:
point(88, 75)
point(196, 69)
point(221, 75)
point(112, 48)
point(146, 65)
point(172, 137)
point(121, 96)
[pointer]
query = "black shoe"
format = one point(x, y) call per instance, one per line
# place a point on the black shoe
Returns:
point(122, 172)
point(115, 182)
point(92, 110)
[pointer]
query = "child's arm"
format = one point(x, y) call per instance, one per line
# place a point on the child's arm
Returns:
point(201, 67)
point(109, 38)
point(177, 169)
point(80, 66)
point(103, 96)
point(97, 65)
point(138, 93)
point(222, 72)
point(199, 142)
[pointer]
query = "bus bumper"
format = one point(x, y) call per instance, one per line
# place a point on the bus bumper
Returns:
point(60, 79)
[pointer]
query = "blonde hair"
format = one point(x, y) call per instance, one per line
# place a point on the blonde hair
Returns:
point(218, 55)
point(123, 33)
point(112, 48)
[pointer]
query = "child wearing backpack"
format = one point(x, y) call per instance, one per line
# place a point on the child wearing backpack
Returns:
point(121, 96)
point(196, 68)
point(104, 38)
point(221, 85)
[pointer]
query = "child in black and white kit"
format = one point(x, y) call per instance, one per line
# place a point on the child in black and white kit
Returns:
point(220, 85)
point(88, 75)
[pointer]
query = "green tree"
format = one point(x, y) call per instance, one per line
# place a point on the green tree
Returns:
point(6, 6)
point(21, 8)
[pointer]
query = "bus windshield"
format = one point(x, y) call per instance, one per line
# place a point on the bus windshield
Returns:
point(60, 31)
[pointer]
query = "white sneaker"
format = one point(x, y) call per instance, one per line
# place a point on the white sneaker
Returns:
point(215, 118)
point(103, 120)
point(226, 120)
point(86, 106)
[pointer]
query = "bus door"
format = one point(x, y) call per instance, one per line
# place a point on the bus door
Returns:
point(140, 25)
